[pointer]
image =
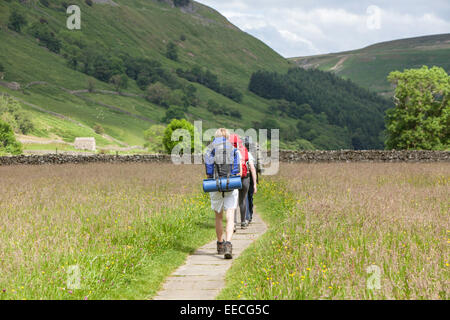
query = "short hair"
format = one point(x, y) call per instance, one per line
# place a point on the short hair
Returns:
point(222, 132)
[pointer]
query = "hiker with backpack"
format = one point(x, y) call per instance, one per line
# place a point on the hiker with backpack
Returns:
point(243, 152)
point(252, 165)
point(222, 161)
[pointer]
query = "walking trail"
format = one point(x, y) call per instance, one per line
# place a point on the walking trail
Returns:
point(202, 277)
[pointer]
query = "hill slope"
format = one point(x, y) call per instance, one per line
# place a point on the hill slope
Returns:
point(370, 66)
point(141, 29)
point(196, 63)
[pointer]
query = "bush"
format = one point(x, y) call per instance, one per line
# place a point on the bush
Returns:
point(171, 128)
point(45, 3)
point(210, 80)
point(159, 94)
point(99, 129)
point(181, 3)
point(218, 109)
point(119, 82)
point(16, 20)
point(173, 112)
point(172, 51)
point(46, 37)
point(154, 138)
point(2, 68)
point(91, 85)
point(8, 142)
point(12, 113)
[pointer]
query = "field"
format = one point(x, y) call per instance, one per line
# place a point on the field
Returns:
point(336, 229)
point(125, 227)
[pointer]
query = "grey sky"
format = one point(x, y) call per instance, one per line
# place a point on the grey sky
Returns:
point(308, 27)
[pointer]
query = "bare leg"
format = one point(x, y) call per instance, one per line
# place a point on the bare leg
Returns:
point(219, 226)
point(230, 224)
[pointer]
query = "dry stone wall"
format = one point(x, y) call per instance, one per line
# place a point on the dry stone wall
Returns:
point(285, 156)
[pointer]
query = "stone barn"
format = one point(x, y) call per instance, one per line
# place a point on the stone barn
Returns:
point(85, 144)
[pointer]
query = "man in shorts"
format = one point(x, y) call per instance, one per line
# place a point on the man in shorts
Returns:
point(223, 201)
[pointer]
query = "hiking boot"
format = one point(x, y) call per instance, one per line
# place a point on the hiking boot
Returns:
point(244, 225)
point(221, 247)
point(228, 250)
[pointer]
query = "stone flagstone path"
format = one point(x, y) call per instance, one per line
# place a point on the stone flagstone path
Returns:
point(202, 276)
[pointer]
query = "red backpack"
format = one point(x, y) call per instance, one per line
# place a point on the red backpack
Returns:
point(237, 143)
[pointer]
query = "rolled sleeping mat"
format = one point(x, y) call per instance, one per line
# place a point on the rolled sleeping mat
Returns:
point(210, 185)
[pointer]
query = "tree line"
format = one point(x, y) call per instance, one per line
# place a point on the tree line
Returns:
point(205, 77)
point(331, 112)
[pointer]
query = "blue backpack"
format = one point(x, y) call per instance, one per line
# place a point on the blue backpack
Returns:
point(222, 163)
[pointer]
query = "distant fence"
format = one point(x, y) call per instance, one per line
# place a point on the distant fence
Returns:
point(285, 156)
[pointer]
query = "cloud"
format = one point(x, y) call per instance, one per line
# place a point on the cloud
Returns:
point(300, 28)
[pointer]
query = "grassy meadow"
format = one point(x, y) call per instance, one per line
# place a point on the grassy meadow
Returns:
point(125, 227)
point(337, 228)
point(336, 231)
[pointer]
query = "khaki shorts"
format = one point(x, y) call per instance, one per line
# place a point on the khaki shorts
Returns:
point(228, 201)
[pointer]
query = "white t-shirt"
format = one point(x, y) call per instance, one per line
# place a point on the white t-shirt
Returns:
point(251, 160)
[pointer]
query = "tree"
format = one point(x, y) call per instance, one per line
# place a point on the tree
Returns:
point(99, 129)
point(12, 113)
point(300, 92)
point(159, 94)
point(8, 142)
point(172, 127)
point(181, 3)
point(16, 20)
point(119, 81)
point(91, 85)
point(45, 3)
point(173, 112)
point(172, 51)
point(421, 117)
point(46, 37)
point(154, 138)
point(102, 68)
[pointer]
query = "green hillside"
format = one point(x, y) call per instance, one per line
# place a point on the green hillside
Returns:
point(370, 66)
point(138, 63)
point(140, 29)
